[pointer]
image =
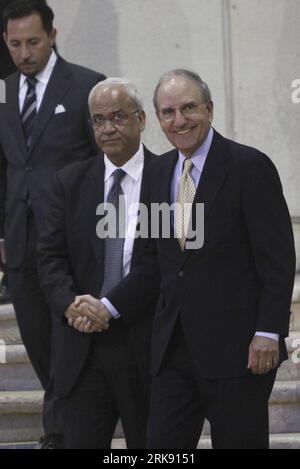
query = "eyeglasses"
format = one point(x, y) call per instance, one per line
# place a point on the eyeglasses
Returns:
point(117, 119)
point(189, 111)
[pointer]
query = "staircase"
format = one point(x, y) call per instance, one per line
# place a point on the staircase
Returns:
point(21, 395)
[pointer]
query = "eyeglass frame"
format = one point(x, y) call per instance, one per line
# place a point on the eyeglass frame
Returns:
point(189, 116)
point(96, 125)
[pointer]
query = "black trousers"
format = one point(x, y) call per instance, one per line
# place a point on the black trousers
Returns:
point(237, 408)
point(112, 385)
point(35, 324)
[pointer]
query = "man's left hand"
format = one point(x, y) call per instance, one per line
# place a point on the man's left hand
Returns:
point(263, 355)
point(95, 317)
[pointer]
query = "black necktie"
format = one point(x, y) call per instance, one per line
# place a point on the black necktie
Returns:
point(113, 262)
point(28, 114)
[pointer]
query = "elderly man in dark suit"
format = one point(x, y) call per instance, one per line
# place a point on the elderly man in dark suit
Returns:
point(218, 334)
point(43, 127)
point(102, 376)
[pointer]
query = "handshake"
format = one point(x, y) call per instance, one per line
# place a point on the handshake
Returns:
point(88, 314)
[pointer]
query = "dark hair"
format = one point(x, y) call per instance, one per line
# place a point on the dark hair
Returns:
point(22, 8)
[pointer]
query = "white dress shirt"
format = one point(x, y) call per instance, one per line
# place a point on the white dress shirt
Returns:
point(131, 186)
point(42, 81)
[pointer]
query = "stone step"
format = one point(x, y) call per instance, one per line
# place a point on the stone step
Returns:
point(20, 413)
point(9, 331)
point(290, 369)
point(21, 445)
point(20, 416)
point(21, 401)
point(17, 374)
point(284, 407)
point(277, 441)
point(295, 317)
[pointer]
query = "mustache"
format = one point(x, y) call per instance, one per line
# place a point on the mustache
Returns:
point(28, 62)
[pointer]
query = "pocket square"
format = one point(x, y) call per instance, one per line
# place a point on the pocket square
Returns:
point(59, 109)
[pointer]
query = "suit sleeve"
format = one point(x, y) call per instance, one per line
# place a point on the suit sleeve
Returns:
point(140, 288)
point(271, 237)
point(3, 166)
point(52, 255)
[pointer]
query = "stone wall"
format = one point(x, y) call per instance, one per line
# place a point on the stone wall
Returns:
point(247, 51)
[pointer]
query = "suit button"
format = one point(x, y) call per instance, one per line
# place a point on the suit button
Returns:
point(181, 274)
point(28, 169)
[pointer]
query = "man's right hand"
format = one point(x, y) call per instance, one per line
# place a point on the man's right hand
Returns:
point(2, 254)
point(72, 313)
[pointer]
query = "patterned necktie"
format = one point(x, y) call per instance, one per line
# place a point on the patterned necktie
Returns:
point(113, 261)
point(28, 114)
point(185, 198)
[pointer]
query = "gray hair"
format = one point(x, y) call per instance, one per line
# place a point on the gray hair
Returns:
point(128, 85)
point(180, 72)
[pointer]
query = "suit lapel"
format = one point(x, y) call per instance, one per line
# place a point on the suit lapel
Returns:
point(13, 112)
point(214, 173)
point(138, 243)
point(59, 83)
point(92, 194)
point(171, 159)
point(170, 162)
point(213, 176)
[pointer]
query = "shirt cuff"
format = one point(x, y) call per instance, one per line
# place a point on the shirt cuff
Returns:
point(268, 335)
point(111, 308)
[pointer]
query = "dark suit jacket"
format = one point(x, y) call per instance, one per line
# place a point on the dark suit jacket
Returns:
point(58, 140)
point(71, 262)
point(239, 282)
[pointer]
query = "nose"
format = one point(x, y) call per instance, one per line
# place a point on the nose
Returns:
point(108, 127)
point(24, 53)
point(179, 119)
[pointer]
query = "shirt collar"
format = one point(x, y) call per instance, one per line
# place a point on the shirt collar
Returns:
point(199, 157)
point(132, 168)
point(44, 75)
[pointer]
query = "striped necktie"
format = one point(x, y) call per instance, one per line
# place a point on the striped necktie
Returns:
point(113, 262)
point(185, 198)
point(28, 114)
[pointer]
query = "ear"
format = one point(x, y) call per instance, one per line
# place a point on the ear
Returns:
point(210, 109)
point(142, 120)
point(5, 38)
point(52, 37)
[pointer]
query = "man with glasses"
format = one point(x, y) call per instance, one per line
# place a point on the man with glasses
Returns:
point(103, 377)
point(219, 329)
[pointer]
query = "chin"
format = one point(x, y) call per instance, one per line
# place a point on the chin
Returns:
point(29, 73)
